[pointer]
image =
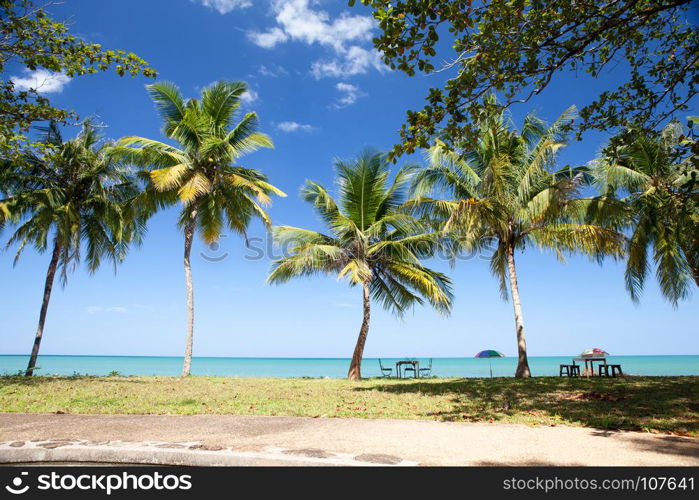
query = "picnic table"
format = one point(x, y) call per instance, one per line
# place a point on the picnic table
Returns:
point(401, 364)
point(589, 370)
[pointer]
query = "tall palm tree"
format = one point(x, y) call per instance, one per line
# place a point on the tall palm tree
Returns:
point(371, 243)
point(73, 196)
point(650, 187)
point(201, 173)
point(505, 192)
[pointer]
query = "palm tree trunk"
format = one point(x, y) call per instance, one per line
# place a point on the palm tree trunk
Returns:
point(189, 337)
point(50, 274)
point(522, 363)
point(355, 369)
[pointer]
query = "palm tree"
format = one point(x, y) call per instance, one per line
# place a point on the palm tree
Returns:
point(649, 187)
point(200, 173)
point(371, 243)
point(74, 195)
point(504, 193)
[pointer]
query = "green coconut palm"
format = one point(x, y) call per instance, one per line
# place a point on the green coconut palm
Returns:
point(202, 174)
point(650, 188)
point(73, 199)
point(371, 243)
point(504, 192)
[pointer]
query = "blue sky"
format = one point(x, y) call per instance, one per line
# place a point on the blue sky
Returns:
point(321, 94)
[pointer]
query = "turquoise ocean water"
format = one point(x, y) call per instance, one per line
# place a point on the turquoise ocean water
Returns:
point(328, 367)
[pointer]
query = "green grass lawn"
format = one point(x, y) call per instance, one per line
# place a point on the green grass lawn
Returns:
point(654, 404)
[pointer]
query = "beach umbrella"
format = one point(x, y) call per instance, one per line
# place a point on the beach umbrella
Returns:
point(594, 353)
point(490, 353)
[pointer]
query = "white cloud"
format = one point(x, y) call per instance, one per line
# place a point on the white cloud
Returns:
point(268, 39)
point(272, 71)
point(41, 80)
point(225, 6)
point(350, 94)
point(249, 96)
point(298, 21)
point(114, 309)
point(294, 127)
point(355, 61)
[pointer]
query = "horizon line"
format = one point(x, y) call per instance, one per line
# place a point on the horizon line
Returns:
point(323, 358)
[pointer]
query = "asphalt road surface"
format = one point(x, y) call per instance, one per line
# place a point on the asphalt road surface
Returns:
point(250, 440)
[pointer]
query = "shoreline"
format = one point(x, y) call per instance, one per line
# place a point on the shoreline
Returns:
point(645, 365)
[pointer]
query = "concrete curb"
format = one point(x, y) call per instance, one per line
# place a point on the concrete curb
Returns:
point(186, 454)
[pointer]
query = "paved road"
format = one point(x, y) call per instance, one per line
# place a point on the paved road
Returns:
point(229, 439)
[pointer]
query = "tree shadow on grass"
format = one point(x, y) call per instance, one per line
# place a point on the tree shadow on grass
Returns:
point(664, 404)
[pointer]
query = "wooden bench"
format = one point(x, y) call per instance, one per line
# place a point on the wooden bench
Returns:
point(614, 369)
point(570, 370)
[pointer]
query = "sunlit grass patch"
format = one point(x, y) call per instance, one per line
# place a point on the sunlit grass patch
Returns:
point(651, 404)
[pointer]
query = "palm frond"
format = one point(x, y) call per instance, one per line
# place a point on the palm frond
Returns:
point(168, 177)
point(168, 101)
point(197, 185)
point(220, 101)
